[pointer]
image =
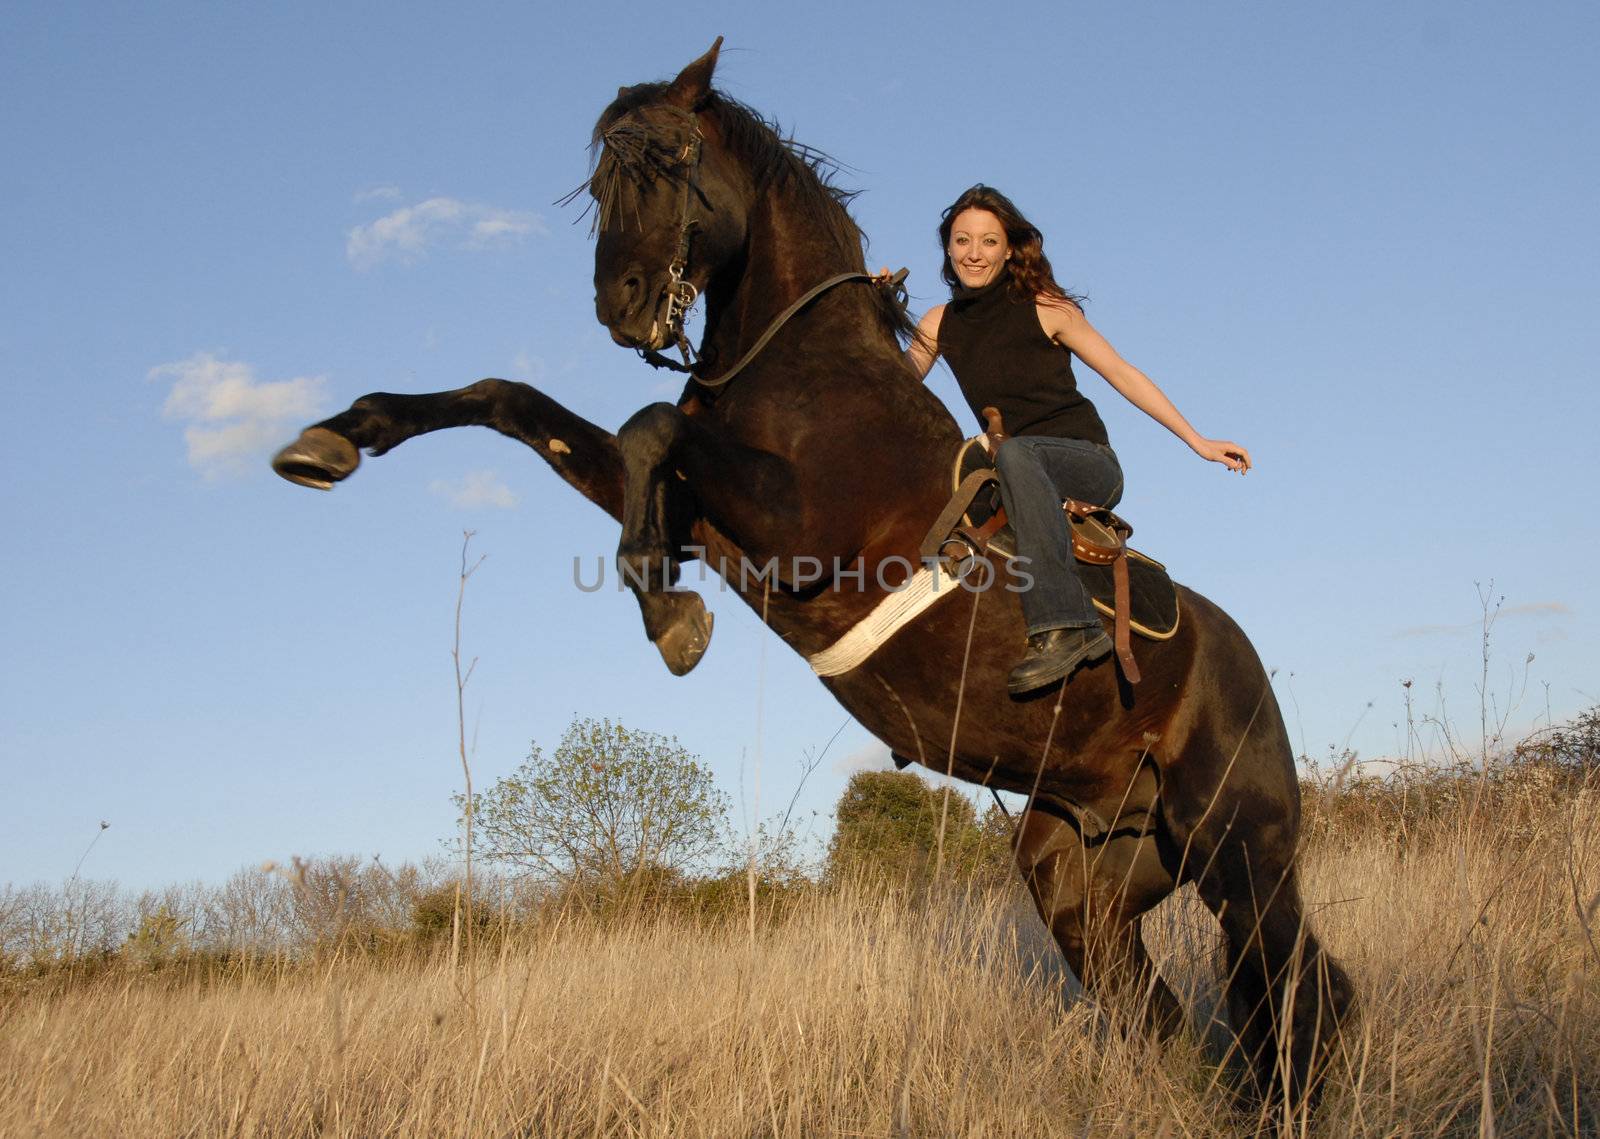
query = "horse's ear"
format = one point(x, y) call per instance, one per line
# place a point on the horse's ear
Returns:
point(693, 83)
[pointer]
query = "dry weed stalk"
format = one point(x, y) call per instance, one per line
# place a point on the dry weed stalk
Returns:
point(466, 772)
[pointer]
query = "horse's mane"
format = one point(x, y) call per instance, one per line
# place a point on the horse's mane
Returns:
point(775, 162)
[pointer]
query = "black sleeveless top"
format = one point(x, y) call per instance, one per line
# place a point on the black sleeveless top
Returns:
point(1002, 358)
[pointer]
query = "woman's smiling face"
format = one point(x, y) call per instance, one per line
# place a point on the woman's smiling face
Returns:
point(978, 249)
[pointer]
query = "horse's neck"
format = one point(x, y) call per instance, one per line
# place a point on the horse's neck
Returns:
point(860, 394)
point(786, 254)
point(848, 357)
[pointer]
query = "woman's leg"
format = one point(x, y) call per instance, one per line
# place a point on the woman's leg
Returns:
point(1036, 473)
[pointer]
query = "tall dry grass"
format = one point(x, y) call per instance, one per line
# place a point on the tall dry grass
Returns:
point(863, 1013)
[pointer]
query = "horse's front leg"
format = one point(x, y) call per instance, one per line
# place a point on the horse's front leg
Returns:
point(658, 509)
point(584, 455)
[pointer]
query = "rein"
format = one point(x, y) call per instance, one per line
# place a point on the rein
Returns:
point(657, 360)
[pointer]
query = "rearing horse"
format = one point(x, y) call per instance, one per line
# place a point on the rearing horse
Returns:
point(826, 452)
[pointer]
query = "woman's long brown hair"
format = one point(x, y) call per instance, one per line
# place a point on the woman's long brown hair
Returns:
point(1031, 275)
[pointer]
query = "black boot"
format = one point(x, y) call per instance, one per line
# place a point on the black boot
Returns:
point(1054, 653)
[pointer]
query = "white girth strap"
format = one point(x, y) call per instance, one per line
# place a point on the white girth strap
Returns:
point(887, 618)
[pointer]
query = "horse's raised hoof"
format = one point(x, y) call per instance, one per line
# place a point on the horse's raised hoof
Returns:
point(318, 459)
point(688, 634)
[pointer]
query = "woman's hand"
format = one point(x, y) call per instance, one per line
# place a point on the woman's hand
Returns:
point(1230, 455)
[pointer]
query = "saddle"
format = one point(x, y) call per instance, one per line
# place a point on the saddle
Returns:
point(1126, 585)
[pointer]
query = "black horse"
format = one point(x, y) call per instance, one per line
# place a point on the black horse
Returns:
point(823, 461)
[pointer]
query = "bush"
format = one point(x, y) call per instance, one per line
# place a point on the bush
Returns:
point(889, 825)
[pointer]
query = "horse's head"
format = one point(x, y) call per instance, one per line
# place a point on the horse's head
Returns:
point(668, 210)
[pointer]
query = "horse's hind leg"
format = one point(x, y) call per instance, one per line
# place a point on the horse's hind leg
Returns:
point(1231, 804)
point(1286, 997)
point(1090, 892)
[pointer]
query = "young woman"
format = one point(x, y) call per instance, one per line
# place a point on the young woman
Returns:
point(1009, 333)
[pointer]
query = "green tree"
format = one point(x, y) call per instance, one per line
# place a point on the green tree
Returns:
point(611, 809)
point(888, 824)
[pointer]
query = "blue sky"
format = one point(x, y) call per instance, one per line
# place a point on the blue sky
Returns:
point(1357, 238)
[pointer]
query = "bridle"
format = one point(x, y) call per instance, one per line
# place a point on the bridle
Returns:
point(680, 294)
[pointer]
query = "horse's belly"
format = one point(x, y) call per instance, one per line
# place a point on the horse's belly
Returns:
point(936, 700)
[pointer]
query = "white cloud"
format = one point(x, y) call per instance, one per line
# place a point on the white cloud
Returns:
point(377, 194)
point(476, 490)
point(526, 365)
point(232, 418)
point(408, 232)
point(873, 756)
point(1536, 609)
point(488, 230)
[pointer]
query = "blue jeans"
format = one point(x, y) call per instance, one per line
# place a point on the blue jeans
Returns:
point(1036, 473)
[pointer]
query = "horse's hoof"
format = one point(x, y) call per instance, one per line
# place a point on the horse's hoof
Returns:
point(687, 637)
point(318, 459)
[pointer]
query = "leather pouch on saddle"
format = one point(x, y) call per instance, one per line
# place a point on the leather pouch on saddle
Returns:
point(1125, 585)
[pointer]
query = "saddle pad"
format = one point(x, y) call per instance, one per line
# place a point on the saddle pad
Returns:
point(1153, 598)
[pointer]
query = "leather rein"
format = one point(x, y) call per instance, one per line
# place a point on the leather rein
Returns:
point(656, 359)
point(681, 294)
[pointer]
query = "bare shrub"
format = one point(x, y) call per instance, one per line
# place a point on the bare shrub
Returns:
point(1406, 803)
point(612, 812)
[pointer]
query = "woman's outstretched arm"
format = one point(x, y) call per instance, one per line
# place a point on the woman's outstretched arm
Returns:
point(1066, 325)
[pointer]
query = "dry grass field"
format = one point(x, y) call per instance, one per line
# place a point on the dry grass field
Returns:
point(1470, 931)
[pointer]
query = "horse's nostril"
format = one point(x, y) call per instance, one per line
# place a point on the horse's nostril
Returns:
point(622, 299)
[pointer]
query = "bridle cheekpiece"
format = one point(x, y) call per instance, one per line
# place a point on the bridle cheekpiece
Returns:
point(681, 294)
